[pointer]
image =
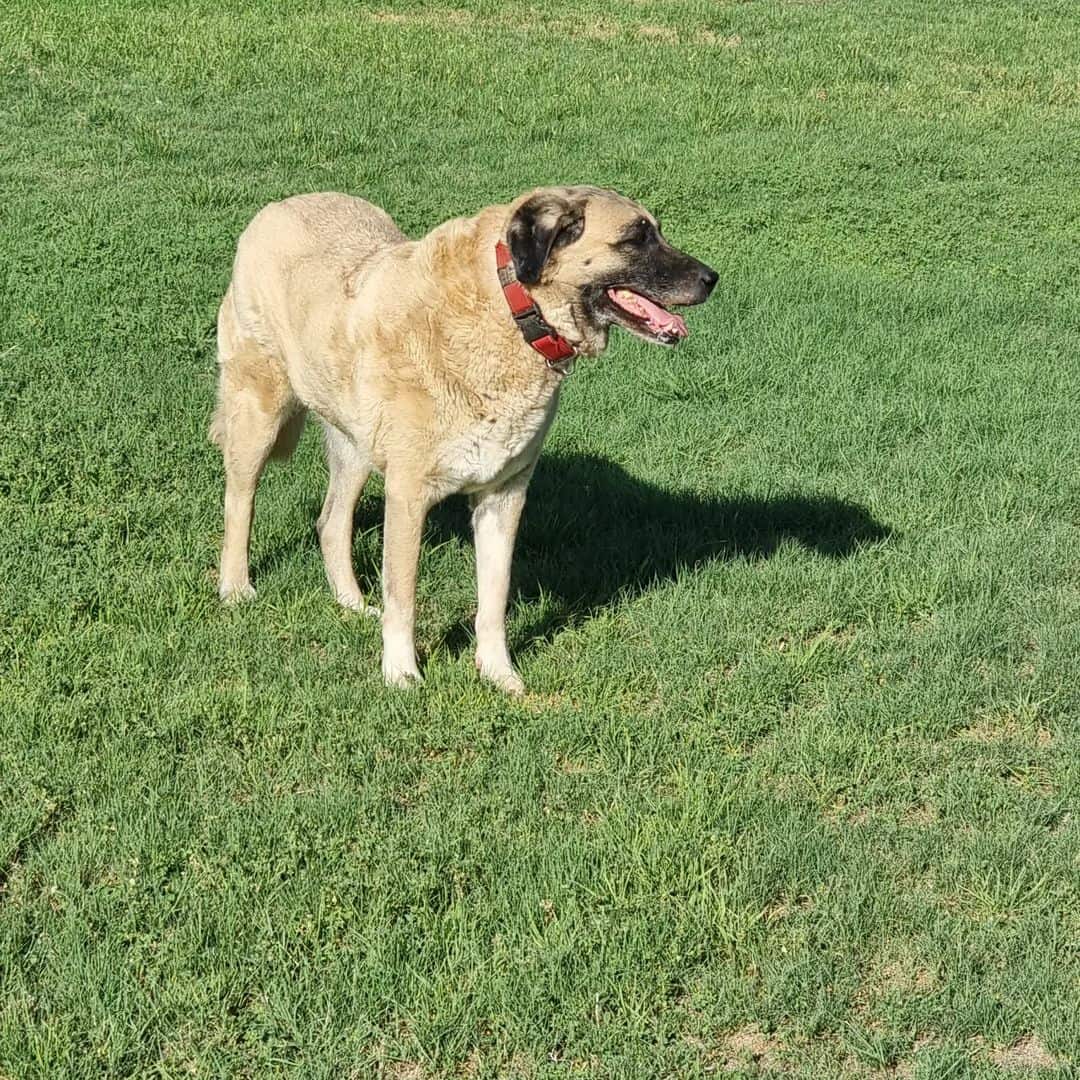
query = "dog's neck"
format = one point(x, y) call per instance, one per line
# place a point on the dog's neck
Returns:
point(484, 346)
point(539, 334)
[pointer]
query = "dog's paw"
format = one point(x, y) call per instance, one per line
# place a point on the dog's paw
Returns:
point(238, 593)
point(360, 606)
point(402, 680)
point(401, 674)
point(501, 674)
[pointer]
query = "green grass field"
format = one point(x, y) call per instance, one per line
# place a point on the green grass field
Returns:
point(795, 788)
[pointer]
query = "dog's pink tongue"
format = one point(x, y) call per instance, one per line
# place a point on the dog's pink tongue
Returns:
point(659, 319)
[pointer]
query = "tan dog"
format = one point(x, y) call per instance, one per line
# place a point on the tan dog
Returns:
point(412, 357)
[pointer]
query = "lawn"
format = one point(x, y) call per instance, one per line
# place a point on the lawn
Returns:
point(798, 604)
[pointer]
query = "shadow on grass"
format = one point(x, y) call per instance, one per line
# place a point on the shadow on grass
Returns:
point(593, 535)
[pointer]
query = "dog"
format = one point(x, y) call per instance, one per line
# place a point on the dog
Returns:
point(437, 362)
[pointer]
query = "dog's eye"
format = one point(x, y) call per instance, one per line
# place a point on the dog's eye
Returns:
point(638, 232)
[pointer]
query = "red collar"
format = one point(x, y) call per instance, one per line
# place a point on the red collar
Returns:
point(551, 345)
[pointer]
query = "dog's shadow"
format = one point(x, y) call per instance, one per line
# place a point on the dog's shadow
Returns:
point(594, 535)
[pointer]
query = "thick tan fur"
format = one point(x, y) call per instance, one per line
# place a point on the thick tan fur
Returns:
point(407, 354)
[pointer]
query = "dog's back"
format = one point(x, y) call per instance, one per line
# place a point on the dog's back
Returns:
point(299, 254)
point(293, 263)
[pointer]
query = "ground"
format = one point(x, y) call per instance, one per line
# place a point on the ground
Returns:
point(795, 787)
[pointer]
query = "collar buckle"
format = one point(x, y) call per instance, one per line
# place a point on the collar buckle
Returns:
point(531, 325)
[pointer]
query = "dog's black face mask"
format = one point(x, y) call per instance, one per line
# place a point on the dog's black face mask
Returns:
point(608, 257)
point(650, 277)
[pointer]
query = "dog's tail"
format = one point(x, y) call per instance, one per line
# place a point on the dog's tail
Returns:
point(258, 373)
point(218, 429)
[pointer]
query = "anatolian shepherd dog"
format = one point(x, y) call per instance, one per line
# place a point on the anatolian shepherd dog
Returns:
point(437, 362)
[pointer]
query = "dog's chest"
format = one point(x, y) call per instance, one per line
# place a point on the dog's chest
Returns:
point(492, 450)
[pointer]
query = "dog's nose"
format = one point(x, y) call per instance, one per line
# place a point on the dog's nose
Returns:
point(709, 278)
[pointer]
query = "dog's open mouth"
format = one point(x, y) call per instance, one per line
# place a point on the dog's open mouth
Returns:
point(647, 319)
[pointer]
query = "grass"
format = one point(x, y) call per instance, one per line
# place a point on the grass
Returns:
point(799, 604)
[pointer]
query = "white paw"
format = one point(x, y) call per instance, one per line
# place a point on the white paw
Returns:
point(359, 605)
point(501, 673)
point(400, 674)
point(238, 593)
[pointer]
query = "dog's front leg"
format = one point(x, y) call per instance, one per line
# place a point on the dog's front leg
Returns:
point(406, 509)
point(495, 523)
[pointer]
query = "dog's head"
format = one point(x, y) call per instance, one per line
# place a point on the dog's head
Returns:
point(593, 259)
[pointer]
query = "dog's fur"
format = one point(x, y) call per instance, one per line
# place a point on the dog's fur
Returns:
point(408, 354)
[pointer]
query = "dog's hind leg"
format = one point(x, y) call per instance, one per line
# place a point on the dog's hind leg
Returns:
point(349, 468)
point(257, 415)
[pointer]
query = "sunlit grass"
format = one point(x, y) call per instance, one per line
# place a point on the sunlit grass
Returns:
point(798, 604)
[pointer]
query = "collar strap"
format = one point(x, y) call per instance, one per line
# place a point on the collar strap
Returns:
point(548, 342)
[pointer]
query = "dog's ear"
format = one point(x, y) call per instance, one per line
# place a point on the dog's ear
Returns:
point(541, 224)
